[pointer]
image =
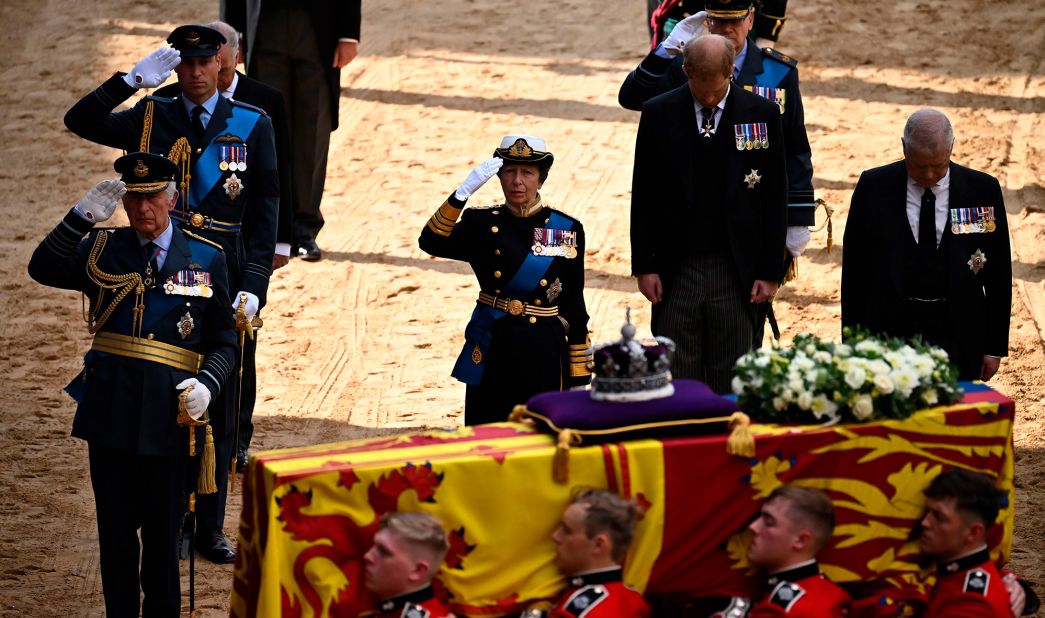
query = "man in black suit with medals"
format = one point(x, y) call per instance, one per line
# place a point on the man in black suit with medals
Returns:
point(161, 324)
point(708, 213)
point(234, 85)
point(926, 252)
point(765, 72)
point(299, 47)
point(229, 192)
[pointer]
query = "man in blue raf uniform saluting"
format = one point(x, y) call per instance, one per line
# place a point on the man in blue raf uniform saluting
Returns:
point(161, 324)
point(529, 330)
point(229, 191)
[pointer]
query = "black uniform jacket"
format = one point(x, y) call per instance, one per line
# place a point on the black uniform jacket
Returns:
point(332, 20)
point(495, 243)
point(129, 403)
point(875, 250)
point(249, 254)
point(664, 196)
point(764, 68)
point(269, 100)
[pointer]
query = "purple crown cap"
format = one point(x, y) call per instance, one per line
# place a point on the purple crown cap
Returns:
point(632, 370)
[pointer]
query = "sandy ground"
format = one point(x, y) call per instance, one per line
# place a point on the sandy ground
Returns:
point(364, 341)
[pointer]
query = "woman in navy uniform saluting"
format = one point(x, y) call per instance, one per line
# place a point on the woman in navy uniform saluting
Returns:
point(529, 330)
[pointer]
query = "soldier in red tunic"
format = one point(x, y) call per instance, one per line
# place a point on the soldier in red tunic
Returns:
point(795, 524)
point(591, 541)
point(961, 506)
point(408, 549)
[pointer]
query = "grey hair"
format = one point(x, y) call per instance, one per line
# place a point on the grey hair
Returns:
point(230, 34)
point(928, 130)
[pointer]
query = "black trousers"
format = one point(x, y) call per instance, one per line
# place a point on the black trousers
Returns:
point(929, 319)
point(133, 492)
point(210, 508)
point(286, 57)
point(708, 316)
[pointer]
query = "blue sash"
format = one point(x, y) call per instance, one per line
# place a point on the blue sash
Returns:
point(773, 72)
point(205, 171)
point(479, 331)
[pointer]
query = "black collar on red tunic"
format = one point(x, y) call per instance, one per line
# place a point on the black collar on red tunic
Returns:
point(596, 577)
point(964, 563)
point(417, 596)
point(795, 574)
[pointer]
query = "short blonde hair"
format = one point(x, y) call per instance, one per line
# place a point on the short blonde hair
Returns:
point(419, 530)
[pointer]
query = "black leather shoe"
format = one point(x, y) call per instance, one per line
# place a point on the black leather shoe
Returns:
point(241, 460)
point(309, 251)
point(215, 547)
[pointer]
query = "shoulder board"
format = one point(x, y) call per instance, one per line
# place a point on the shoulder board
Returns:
point(786, 594)
point(413, 610)
point(977, 581)
point(153, 97)
point(247, 106)
point(779, 57)
point(582, 601)
point(202, 239)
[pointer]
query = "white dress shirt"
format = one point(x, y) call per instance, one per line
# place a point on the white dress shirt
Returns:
point(942, 191)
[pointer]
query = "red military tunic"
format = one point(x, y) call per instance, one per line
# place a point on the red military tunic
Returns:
point(801, 592)
point(600, 594)
point(969, 587)
point(417, 604)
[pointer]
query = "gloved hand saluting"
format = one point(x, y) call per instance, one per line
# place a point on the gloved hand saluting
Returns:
point(197, 400)
point(478, 177)
point(684, 32)
point(154, 69)
point(100, 202)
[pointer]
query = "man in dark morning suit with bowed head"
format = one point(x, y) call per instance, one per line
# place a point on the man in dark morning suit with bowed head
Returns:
point(765, 72)
point(161, 324)
point(528, 332)
point(229, 192)
point(708, 213)
point(299, 47)
point(234, 85)
point(926, 252)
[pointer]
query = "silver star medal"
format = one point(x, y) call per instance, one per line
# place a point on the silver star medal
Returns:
point(977, 261)
point(752, 179)
point(233, 186)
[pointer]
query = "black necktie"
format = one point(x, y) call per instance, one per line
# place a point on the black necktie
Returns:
point(927, 222)
point(197, 121)
point(152, 267)
point(709, 121)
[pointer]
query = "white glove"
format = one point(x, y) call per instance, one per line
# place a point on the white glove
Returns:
point(797, 239)
point(684, 32)
point(100, 202)
point(154, 69)
point(198, 399)
point(252, 304)
point(478, 177)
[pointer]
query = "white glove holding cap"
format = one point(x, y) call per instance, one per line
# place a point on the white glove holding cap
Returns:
point(684, 32)
point(478, 177)
point(797, 239)
point(154, 69)
point(198, 398)
point(101, 200)
point(251, 308)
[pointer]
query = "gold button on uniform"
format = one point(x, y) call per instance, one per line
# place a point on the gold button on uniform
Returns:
point(151, 337)
point(496, 274)
point(533, 320)
point(497, 252)
point(544, 282)
point(494, 229)
point(497, 212)
point(537, 302)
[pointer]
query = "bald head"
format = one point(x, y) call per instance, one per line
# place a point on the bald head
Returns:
point(708, 67)
point(927, 142)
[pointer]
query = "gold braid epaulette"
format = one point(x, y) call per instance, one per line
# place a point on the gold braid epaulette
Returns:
point(202, 239)
point(181, 154)
point(146, 128)
point(121, 285)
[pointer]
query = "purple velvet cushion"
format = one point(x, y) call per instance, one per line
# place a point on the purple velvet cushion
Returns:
point(577, 410)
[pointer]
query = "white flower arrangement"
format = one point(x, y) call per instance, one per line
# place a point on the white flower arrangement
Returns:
point(864, 379)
